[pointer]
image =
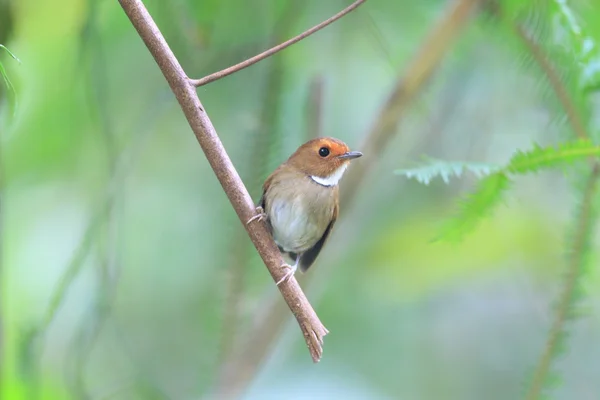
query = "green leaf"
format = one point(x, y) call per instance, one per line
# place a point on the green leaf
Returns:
point(475, 207)
point(10, 53)
point(551, 157)
point(572, 36)
point(446, 169)
point(7, 81)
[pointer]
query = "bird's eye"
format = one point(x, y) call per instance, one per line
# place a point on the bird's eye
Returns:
point(323, 151)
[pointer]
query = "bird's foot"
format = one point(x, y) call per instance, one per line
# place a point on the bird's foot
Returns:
point(290, 273)
point(258, 217)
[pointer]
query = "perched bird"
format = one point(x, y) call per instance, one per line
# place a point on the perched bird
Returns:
point(300, 199)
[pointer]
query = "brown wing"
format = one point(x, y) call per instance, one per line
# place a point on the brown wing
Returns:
point(310, 255)
point(261, 203)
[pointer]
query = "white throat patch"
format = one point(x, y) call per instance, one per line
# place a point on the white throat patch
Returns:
point(332, 179)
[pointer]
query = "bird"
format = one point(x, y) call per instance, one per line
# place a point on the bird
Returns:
point(300, 200)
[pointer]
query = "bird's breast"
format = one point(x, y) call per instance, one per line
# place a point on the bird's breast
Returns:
point(299, 213)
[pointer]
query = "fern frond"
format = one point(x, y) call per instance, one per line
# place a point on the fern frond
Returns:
point(445, 170)
point(576, 41)
point(551, 157)
point(476, 206)
point(545, 34)
point(578, 260)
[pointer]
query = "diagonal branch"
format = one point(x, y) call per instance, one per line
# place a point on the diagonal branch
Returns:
point(185, 92)
point(408, 85)
point(228, 71)
point(266, 136)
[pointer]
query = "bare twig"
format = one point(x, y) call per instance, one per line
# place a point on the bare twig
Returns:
point(244, 64)
point(272, 319)
point(185, 92)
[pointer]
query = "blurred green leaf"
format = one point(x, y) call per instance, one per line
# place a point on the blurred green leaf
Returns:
point(5, 77)
point(562, 155)
point(445, 170)
point(577, 41)
point(475, 206)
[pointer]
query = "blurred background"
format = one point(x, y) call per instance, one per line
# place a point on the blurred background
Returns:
point(125, 273)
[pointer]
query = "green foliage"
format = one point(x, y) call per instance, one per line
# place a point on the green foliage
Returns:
point(574, 42)
point(174, 230)
point(569, 58)
point(445, 169)
point(560, 53)
point(491, 189)
point(578, 260)
point(4, 74)
point(476, 206)
point(578, 43)
point(562, 155)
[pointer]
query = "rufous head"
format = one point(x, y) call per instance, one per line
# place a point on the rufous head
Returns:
point(324, 159)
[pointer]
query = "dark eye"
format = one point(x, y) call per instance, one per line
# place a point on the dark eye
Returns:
point(323, 151)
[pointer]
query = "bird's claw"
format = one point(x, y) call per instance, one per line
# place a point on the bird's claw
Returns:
point(258, 217)
point(290, 273)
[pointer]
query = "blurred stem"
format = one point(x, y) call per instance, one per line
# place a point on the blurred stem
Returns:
point(555, 81)
point(270, 323)
point(420, 69)
point(34, 338)
point(314, 105)
point(89, 329)
point(266, 135)
point(2, 267)
point(584, 225)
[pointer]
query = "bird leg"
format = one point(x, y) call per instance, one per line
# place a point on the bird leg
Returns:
point(292, 270)
point(258, 217)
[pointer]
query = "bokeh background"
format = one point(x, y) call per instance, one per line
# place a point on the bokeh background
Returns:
point(125, 273)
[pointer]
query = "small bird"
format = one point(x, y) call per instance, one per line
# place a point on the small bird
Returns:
point(300, 200)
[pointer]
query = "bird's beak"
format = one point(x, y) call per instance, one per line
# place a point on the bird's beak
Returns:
point(350, 155)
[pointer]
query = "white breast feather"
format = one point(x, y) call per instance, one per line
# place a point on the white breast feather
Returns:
point(332, 179)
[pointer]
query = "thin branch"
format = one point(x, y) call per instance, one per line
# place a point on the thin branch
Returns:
point(244, 64)
point(185, 92)
point(273, 318)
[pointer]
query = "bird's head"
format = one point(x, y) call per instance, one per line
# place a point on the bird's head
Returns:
point(324, 159)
